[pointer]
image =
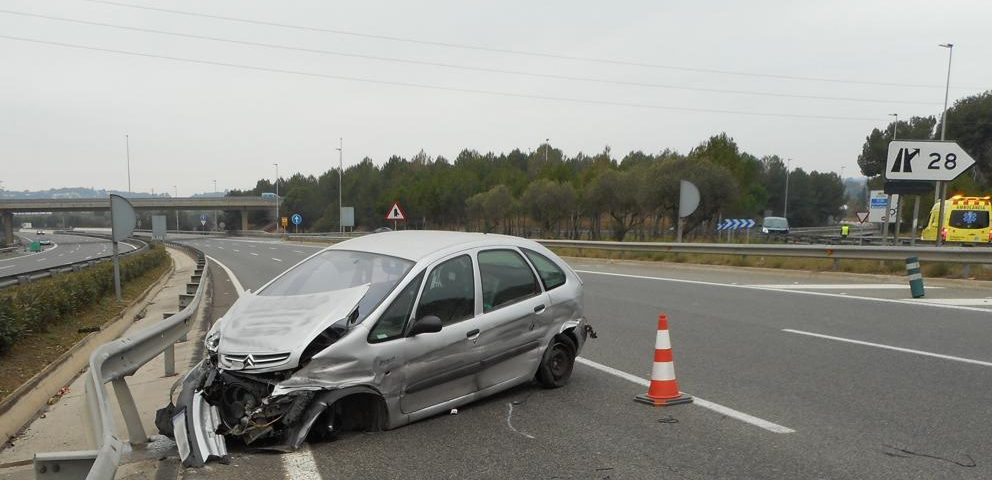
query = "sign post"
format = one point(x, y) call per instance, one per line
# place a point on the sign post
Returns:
point(688, 202)
point(927, 160)
point(122, 221)
point(395, 214)
point(297, 220)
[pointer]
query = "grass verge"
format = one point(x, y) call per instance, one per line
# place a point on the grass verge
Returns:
point(34, 350)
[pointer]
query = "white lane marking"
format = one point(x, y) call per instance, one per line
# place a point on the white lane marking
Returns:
point(234, 279)
point(272, 248)
point(253, 253)
point(716, 407)
point(509, 415)
point(890, 347)
point(955, 301)
point(797, 292)
point(300, 465)
point(297, 251)
point(8, 266)
point(87, 258)
point(220, 247)
point(237, 251)
point(838, 286)
point(276, 259)
point(42, 259)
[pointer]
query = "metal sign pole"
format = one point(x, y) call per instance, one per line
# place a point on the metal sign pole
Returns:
point(117, 273)
point(916, 218)
point(885, 220)
point(940, 213)
point(898, 220)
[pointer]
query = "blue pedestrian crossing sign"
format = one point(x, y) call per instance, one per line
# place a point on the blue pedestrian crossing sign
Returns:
point(203, 219)
point(296, 219)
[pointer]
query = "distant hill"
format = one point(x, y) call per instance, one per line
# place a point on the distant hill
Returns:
point(80, 192)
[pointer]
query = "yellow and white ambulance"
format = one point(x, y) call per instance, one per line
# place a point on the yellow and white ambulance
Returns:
point(966, 220)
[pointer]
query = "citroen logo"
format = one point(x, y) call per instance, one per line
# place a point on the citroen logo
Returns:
point(249, 361)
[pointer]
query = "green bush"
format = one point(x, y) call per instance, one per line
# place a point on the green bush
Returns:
point(36, 306)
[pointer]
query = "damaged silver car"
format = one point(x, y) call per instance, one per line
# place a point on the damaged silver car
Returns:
point(377, 332)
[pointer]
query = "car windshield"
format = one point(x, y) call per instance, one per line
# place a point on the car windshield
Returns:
point(969, 219)
point(340, 269)
point(775, 222)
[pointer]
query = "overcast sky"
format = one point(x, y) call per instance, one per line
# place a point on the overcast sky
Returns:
point(64, 111)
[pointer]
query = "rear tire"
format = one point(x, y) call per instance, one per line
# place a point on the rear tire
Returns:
point(556, 365)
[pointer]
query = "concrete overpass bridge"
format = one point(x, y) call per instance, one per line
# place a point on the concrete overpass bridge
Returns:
point(8, 207)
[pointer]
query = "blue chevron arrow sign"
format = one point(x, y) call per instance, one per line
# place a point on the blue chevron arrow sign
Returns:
point(735, 224)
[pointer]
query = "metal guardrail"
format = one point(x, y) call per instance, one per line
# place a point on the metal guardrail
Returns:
point(966, 255)
point(112, 363)
point(30, 276)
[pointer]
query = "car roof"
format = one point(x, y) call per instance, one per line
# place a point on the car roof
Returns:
point(418, 244)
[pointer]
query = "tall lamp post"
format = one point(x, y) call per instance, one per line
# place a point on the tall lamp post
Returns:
point(127, 153)
point(943, 133)
point(785, 207)
point(340, 150)
point(176, 189)
point(277, 197)
point(215, 211)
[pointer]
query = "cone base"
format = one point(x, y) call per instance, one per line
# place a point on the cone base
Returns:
point(663, 402)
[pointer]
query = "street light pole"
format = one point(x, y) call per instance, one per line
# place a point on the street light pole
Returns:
point(785, 208)
point(340, 193)
point(127, 150)
point(277, 197)
point(888, 198)
point(943, 134)
point(176, 188)
point(215, 211)
point(547, 145)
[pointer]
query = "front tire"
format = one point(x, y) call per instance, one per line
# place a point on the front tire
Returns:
point(556, 365)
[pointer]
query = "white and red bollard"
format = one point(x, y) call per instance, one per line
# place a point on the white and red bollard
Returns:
point(664, 389)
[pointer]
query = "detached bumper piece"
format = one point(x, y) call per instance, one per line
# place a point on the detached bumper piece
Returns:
point(195, 429)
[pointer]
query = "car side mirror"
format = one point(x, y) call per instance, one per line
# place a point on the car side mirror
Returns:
point(426, 324)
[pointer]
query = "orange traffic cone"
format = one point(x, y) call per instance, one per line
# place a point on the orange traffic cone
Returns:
point(664, 390)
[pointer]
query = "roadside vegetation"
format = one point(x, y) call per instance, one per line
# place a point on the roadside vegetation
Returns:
point(43, 319)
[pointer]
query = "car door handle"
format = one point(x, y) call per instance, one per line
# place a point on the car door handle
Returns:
point(539, 308)
point(472, 333)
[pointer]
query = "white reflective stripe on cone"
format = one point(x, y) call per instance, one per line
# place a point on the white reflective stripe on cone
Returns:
point(913, 265)
point(663, 371)
point(662, 341)
point(916, 276)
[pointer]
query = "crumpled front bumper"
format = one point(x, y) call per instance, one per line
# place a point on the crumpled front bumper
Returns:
point(193, 422)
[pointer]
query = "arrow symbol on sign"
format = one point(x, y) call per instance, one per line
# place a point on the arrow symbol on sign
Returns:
point(902, 160)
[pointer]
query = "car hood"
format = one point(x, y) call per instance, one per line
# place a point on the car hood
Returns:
point(283, 324)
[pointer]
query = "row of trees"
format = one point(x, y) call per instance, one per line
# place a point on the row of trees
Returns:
point(969, 123)
point(547, 193)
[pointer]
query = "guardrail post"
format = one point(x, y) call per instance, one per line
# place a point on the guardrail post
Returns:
point(135, 431)
point(915, 277)
point(170, 360)
point(966, 270)
point(836, 265)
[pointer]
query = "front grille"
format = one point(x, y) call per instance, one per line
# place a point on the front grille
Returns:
point(252, 361)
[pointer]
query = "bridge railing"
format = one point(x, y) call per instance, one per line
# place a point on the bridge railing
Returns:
point(32, 275)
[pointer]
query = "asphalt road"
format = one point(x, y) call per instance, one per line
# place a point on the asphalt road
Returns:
point(64, 250)
point(796, 375)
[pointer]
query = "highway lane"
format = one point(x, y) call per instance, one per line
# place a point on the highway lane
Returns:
point(65, 250)
point(857, 409)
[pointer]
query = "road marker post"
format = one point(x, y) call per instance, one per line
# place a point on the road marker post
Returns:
point(915, 277)
point(663, 389)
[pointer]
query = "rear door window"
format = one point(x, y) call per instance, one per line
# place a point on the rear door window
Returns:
point(551, 274)
point(506, 279)
point(969, 219)
point(449, 291)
